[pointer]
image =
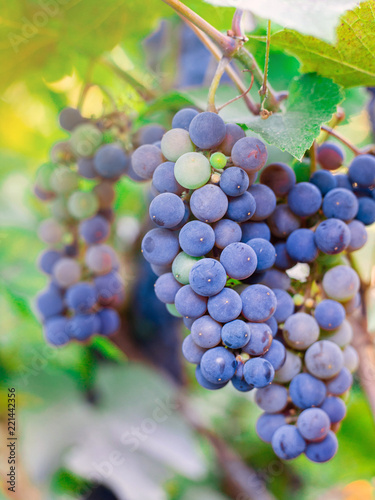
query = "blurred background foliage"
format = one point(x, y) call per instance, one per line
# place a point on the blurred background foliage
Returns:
point(78, 406)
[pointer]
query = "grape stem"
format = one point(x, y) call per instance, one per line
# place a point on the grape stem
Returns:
point(231, 72)
point(244, 94)
point(342, 139)
point(313, 157)
point(220, 70)
point(232, 46)
point(263, 89)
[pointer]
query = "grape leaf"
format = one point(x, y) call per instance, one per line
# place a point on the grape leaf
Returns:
point(312, 101)
point(350, 62)
point(311, 17)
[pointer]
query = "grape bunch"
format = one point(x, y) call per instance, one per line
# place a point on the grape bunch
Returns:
point(85, 289)
point(227, 230)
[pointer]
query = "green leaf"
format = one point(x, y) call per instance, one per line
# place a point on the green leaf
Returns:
point(350, 62)
point(318, 18)
point(312, 101)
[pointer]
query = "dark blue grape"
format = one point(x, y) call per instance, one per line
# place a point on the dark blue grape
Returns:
point(258, 372)
point(300, 331)
point(358, 235)
point(239, 260)
point(167, 210)
point(225, 306)
point(329, 314)
point(49, 303)
point(304, 199)
point(267, 424)
point(226, 232)
point(191, 351)
point(206, 332)
point(233, 133)
point(301, 246)
point(272, 399)
point(160, 246)
point(341, 383)
point(258, 303)
point(307, 391)
point(241, 208)
point(313, 424)
point(209, 203)
point(70, 118)
point(283, 221)
point(272, 323)
point(341, 283)
point(323, 451)
point(260, 339)
point(190, 304)
point(81, 297)
point(110, 161)
point(48, 259)
point(148, 134)
point(166, 288)
point(362, 171)
point(341, 204)
point(252, 230)
point(238, 382)
point(330, 156)
point(250, 154)
point(183, 118)
point(324, 181)
point(188, 322)
point(283, 259)
point(218, 365)
point(145, 160)
point(335, 409)
point(109, 287)
point(279, 177)
point(265, 252)
point(83, 326)
point(285, 305)
point(276, 354)
point(109, 321)
point(197, 238)
point(57, 330)
point(287, 442)
point(366, 211)
point(205, 383)
point(86, 168)
point(324, 359)
point(207, 130)
point(235, 334)
point(343, 181)
point(234, 181)
point(94, 230)
point(164, 180)
point(265, 200)
point(332, 236)
point(207, 277)
point(274, 278)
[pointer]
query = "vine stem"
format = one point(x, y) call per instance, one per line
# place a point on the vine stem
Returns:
point(263, 89)
point(231, 72)
point(313, 157)
point(227, 44)
point(230, 47)
point(341, 138)
point(220, 70)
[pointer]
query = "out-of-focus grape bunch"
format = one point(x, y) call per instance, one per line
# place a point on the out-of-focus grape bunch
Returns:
point(86, 289)
point(229, 232)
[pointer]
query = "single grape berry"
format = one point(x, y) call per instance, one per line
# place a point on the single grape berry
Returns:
point(218, 160)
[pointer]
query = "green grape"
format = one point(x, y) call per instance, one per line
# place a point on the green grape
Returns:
point(43, 176)
point(171, 308)
point(175, 143)
point(83, 205)
point(85, 139)
point(192, 170)
point(181, 267)
point(59, 209)
point(64, 180)
point(218, 160)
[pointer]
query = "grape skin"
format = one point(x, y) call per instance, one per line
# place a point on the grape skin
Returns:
point(164, 180)
point(323, 451)
point(190, 304)
point(330, 156)
point(265, 253)
point(225, 306)
point(313, 424)
point(279, 177)
point(341, 383)
point(341, 283)
point(340, 204)
point(304, 199)
point(109, 320)
point(272, 399)
point(362, 171)
point(285, 305)
point(207, 130)
point(192, 170)
point(329, 314)
point(301, 246)
point(101, 259)
point(145, 160)
point(191, 351)
point(48, 259)
point(250, 154)
point(66, 272)
point(258, 303)
point(358, 235)
point(324, 359)
point(307, 391)
point(265, 201)
point(181, 267)
point(234, 181)
point(252, 230)
point(218, 365)
point(267, 424)
point(258, 372)
point(366, 211)
point(241, 208)
point(283, 222)
point(300, 331)
point(183, 118)
point(207, 277)
point(175, 143)
point(276, 354)
point(291, 367)
point(160, 246)
point(95, 230)
point(233, 133)
point(49, 303)
point(56, 331)
point(239, 260)
point(197, 238)
point(205, 383)
point(81, 297)
point(167, 210)
point(166, 288)
point(206, 332)
point(260, 336)
point(110, 161)
point(226, 232)
point(324, 181)
point(209, 203)
point(332, 236)
point(287, 442)
point(335, 408)
point(235, 334)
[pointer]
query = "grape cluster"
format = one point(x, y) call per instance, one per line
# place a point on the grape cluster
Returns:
point(222, 243)
point(85, 289)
